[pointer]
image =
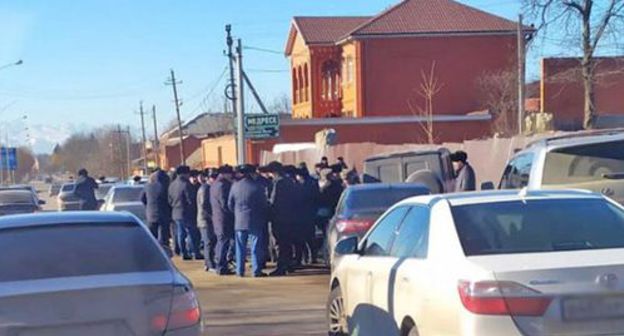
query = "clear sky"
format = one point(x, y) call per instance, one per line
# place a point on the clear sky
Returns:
point(90, 62)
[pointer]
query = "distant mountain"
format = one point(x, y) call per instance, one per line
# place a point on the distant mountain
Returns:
point(43, 138)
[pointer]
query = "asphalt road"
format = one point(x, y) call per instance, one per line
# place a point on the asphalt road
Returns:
point(231, 306)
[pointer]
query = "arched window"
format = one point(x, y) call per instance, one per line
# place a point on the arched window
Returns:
point(295, 84)
point(331, 79)
point(301, 85)
point(306, 83)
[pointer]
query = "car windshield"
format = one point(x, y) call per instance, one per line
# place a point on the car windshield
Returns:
point(124, 195)
point(67, 187)
point(376, 199)
point(16, 197)
point(102, 190)
point(539, 226)
point(117, 248)
point(584, 163)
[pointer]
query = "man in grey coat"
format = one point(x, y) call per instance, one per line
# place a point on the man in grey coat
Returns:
point(248, 202)
point(465, 176)
point(157, 210)
point(204, 220)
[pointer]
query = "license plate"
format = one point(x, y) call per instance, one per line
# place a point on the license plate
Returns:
point(595, 308)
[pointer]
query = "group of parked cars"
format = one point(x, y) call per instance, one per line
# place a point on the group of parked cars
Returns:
point(542, 256)
point(110, 197)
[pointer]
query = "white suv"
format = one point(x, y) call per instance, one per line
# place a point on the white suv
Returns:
point(485, 264)
point(591, 160)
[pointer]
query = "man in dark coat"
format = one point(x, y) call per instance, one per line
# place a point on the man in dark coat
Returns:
point(183, 202)
point(222, 217)
point(157, 210)
point(85, 190)
point(465, 180)
point(204, 221)
point(309, 208)
point(284, 212)
point(248, 202)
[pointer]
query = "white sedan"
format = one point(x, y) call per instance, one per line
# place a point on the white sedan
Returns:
point(487, 264)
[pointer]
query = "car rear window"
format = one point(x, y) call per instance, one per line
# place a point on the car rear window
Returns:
point(380, 198)
point(123, 195)
point(584, 163)
point(16, 197)
point(67, 250)
point(539, 226)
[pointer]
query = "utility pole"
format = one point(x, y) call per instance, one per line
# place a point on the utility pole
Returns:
point(122, 174)
point(240, 106)
point(521, 73)
point(156, 145)
point(255, 94)
point(172, 81)
point(231, 88)
point(128, 143)
point(143, 137)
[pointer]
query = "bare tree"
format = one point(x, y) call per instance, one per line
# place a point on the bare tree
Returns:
point(102, 152)
point(500, 96)
point(429, 88)
point(596, 19)
point(281, 104)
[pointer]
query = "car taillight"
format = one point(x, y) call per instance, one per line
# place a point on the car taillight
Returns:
point(502, 298)
point(184, 312)
point(348, 226)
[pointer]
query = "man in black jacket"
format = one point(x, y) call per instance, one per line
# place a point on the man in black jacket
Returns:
point(157, 209)
point(183, 201)
point(204, 220)
point(85, 190)
point(307, 220)
point(284, 212)
point(222, 217)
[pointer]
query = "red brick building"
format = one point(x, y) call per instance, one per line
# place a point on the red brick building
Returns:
point(373, 66)
point(562, 92)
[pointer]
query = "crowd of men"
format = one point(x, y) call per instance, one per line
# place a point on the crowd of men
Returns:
point(222, 210)
point(225, 210)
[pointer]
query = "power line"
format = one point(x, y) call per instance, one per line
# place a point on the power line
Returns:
point(270, 51)
point(215, 84)
point(266, 70)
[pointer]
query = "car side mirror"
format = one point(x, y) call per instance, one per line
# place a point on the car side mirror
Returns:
point(348, 245)
point(487, 186)
point(42, 202)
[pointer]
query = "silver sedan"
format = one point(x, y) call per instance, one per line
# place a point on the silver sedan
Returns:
point(90, 273)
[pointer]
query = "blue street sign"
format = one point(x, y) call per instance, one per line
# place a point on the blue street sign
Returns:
point(8, 158)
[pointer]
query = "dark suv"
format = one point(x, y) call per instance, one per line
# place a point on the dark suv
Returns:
point(432, 168)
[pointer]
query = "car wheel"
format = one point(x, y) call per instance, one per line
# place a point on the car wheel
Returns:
point(427, 178)
point(336, 314)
